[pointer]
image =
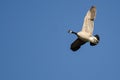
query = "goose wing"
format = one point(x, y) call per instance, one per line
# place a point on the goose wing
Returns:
point(88, 24)
point(77, 44)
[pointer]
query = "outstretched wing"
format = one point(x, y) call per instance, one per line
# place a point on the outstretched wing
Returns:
point(77, 44)
point(88, 24)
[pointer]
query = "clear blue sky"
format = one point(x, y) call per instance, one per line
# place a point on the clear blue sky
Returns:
point(34, 43)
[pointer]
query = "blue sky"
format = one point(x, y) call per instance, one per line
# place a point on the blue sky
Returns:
point(35, 45)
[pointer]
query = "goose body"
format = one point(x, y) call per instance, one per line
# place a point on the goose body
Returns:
point(86, 34)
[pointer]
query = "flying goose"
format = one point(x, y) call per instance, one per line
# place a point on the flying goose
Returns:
point(86, 34)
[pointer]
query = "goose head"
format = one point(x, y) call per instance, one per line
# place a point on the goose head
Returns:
point(72, 32)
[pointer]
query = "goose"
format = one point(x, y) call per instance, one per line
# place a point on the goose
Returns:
point(86, 33)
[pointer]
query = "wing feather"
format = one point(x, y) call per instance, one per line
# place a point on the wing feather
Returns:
point(88, 25)
point(77, 44)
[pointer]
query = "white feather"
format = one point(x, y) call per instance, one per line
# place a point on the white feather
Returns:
point(88, 25)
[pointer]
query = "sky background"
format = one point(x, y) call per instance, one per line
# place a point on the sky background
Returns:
point(35, 45)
